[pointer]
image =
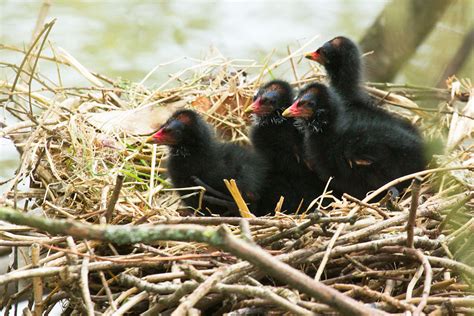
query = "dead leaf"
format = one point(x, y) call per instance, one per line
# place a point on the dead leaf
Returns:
point(141, 121)
point(202, 103)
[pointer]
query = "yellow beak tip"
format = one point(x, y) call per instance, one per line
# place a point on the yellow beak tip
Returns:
point(149, 140)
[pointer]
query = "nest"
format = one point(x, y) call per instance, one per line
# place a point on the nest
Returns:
point(84, 159)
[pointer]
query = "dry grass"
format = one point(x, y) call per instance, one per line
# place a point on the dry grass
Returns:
point(75, 141)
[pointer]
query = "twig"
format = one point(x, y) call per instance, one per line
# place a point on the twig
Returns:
point(220, 238)
point(259, 221)
point(428, 272)
point(46, 27)
point(130, 303)
point(36, 63)
point(239, 200)
point(84, 285)
point(373, 207)
point(37, 282)
point(107, 290)
point(313, 218)
point(200, 292)
point(152, 175)
point(412, 176)
point(114, 198)
point(415, 195)
point(366, 291)
point(264, 293)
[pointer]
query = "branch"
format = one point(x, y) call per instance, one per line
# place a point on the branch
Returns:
point(397, 32)
point(216, 237)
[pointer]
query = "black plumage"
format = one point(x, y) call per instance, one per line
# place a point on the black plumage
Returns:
point(342, 60)
point(196, 153)
point(281, 143)
point(361, 152)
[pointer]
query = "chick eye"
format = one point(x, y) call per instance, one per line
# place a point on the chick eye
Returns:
point(255, 96)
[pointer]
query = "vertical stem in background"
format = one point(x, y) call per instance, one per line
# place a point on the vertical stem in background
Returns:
point(415, 195)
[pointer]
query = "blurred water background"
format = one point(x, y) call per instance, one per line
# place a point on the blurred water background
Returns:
point(127, 38)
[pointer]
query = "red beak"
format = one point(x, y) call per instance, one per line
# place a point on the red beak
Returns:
point(158, 136)
point(315, 56)
point(161, 137)
point(255, 106)
point(293, 110)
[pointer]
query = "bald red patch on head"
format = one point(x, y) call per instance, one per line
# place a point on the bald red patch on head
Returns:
point(336, 42)
point(313, 90)
point(184, 118)
point(275, 87)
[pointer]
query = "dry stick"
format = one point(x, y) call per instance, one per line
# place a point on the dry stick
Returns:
point(282, 61)
point(452, 264)
point(200, 292)
point(293, 277)
point(107, 290)
point(330, 245)
point(84, 285)
point(341, 227)
point(313, 218)
point(245, 232)
point(221, 238)
point(413, 281)
point(427, 210)
point(259, 221)
point(366, 291)
point(293, 68)
point(36, 64)
point(37, 282)
point(239, 200)
point(123, 296)
point(414, 253)
point(441, 285)
point(412, 176)
point(415, 195)
point(264, 293)
point(152, 174)
point(130, 303)
point(114, 198)
point(25, 59)
point(367, 205)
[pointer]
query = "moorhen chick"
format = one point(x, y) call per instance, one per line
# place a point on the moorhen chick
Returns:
point(281, 143)
point(342, 60)
point(361, 153)
point(196, 157)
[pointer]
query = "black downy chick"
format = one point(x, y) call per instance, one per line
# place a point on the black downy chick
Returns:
point(361, 153)
point(196, 153)
point(342, 60)
point(281, 143)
